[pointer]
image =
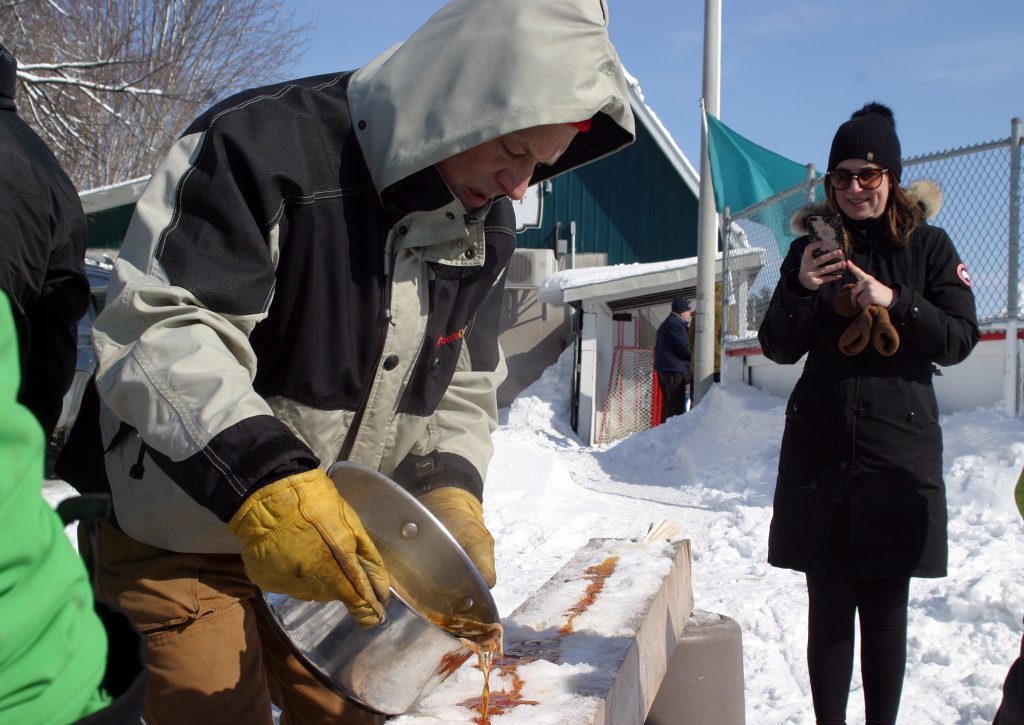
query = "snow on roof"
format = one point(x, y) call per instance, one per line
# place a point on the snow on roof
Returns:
point(108, 197)
point(616, 280)
point(624, 280)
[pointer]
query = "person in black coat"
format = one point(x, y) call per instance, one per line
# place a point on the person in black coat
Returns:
point(42, 256)
point(672, 358)
point(1011, 707)
point(860, 503)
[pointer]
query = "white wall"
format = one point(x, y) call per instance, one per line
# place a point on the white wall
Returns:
point(977, 382)
point(596, 367)
point(588, 405)
point(601, 334)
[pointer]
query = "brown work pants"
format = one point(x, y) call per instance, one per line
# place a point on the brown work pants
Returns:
point(212, 655)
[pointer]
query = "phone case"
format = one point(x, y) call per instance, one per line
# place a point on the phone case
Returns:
point(826, 228)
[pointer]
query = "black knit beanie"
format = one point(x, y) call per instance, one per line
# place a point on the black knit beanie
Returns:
point(870, 134)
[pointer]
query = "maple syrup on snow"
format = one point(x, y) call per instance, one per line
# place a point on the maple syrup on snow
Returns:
point(482, 639)
point(597, 575)
point(487, 641)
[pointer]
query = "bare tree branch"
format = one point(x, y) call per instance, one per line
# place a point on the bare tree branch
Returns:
point(62, 66)
point(111, 83)
point(31, 79)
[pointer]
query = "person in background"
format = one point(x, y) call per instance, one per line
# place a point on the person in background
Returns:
point(860, 503)
point(672, 358)
point(314, 274)
point(42, 266)
point(1011, 708)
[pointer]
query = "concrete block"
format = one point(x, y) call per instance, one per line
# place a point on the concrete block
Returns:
point(704, 681)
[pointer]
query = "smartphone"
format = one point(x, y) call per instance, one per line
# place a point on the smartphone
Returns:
point(827, 228)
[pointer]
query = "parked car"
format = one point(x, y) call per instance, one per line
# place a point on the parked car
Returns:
point(98, 270)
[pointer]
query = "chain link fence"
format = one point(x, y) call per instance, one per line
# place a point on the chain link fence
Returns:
point(981, 188)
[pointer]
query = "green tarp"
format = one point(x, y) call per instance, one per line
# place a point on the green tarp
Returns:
point(744, 173)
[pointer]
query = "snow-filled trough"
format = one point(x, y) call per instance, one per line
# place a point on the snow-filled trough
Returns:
point(590, 646)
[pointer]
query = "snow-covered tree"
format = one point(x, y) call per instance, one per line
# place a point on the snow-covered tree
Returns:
point(110, 84)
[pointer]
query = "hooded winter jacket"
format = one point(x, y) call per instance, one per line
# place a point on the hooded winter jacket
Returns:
point(861, 456)
point(299, 286)
point(43, 234)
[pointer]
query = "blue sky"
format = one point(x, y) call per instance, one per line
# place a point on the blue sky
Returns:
point(792, 70)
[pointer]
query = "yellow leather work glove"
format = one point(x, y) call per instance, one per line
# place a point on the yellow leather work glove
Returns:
point(461, 513)
point(303, 540)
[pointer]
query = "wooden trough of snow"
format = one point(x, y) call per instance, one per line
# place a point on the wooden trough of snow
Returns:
point(591, 646)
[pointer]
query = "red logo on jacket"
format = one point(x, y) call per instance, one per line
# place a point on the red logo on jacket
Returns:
point(454, 337)
point(963, 274)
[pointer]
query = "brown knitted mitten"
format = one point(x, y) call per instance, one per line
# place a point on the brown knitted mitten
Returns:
point(857, 335)
point(884, 337)
point(844, 303)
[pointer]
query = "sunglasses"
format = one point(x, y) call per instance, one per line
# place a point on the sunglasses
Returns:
point(867, 178)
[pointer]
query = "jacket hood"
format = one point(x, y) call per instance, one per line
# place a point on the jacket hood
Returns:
point(8, 73)
point(927, 194)
point(479, 69)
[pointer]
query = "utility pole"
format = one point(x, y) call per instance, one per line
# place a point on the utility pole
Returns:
point(703, 360)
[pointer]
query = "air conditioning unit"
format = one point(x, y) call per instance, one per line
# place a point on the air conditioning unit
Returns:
point(529, 268)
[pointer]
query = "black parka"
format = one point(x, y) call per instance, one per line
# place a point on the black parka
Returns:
point(861, 455)
point(672, 346)
point(42, 246)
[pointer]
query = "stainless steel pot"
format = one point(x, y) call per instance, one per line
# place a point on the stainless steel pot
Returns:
point(391, 667)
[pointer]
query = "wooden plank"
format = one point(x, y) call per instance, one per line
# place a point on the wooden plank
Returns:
point(591, 646)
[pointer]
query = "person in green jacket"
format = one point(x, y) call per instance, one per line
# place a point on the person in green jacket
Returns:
point(55, 642)
point(53, 651)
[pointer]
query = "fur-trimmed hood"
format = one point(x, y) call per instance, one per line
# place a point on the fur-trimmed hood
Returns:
point(927, 194)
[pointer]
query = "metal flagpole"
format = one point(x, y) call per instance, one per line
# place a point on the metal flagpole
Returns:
point(707, 219)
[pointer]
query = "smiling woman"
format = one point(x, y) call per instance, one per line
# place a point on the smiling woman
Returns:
point(860, 502)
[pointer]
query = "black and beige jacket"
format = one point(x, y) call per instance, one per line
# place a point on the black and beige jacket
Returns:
point(299, 286)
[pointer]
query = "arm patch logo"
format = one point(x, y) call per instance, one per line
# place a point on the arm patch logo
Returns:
point(963, 274)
